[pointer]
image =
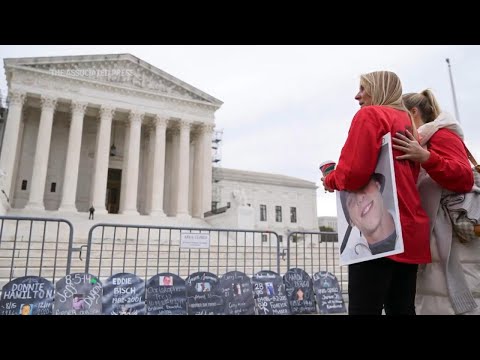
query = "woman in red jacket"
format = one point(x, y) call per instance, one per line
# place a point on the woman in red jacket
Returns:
point(451, 283)
point(386, 283)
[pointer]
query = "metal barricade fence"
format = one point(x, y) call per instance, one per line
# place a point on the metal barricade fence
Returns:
point(314, 252)
point(149, 250)
point(44, 247)
point(34, 246)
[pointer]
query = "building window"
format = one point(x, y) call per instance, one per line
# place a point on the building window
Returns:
point(228, 204)
point(293, 214)
point(24, 184)
point(280, 238)
point(53, 187)
point(278, 213)
point(263, 212)
point(214, 205)
point(264, 237)
point(332, 237)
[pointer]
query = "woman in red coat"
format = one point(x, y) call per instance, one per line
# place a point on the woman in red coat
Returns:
point(451, 283)
point(387, 283)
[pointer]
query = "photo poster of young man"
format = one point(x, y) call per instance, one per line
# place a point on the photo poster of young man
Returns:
point(368, 219)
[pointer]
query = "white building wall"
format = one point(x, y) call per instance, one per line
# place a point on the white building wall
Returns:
point(330, 221)
point(303, 199)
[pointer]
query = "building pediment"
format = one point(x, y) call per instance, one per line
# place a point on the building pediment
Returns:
point(122, 70)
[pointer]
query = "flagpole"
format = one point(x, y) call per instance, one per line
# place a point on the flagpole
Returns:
point(453, 90)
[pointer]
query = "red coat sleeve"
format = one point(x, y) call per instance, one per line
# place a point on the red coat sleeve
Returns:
point(359, 155)
point(448, 162)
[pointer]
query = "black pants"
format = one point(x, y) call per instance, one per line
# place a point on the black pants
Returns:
point(91, 215)
point(375, 284)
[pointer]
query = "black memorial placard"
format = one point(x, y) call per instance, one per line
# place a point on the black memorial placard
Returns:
point(27, 295)
point(237, 292)
point(166, 295)
point(123, 294)
point(78, 294)
point(299, 289)
point(328, 293)
point(270, 295)
point(204, 296)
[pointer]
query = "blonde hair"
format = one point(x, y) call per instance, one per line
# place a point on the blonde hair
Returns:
point(425, 102)
point(385, 88)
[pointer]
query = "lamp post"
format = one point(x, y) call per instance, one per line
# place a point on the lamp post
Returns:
point(453, 90)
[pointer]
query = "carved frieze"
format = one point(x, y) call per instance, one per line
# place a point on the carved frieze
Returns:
point(122, 72)
point(45, 81)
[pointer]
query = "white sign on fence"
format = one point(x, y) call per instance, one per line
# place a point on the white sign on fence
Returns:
point(194, 241)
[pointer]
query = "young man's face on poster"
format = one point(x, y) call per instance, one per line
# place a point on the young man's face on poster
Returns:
point(366, 208)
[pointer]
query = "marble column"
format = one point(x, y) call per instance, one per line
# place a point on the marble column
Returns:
point(42, 152)
point(11, 141)
point(102, 155)
point(126, 139)
point(158, 165)
point(173, 175)
point(183, 173)
point(147, 171)
point(198, 173)
point(207, 175)
point(70, 178)
point(133, 156)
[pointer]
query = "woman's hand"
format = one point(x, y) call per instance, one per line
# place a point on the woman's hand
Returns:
point(410, 146)
point(325, 186)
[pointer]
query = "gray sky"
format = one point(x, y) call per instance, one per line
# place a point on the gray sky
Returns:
point(288, 108)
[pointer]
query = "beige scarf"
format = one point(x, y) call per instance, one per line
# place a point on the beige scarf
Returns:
point(444, 120)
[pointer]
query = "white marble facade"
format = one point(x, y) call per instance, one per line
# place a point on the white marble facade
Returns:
point(290, 204)
point(66, 113)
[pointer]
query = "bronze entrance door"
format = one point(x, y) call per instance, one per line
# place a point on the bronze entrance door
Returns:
point(114, 181)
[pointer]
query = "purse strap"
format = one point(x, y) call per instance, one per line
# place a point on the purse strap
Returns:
point(472, 159)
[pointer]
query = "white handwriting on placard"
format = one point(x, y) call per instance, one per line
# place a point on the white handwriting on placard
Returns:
point(93, 295)
point(68, 292)
point(122, 281)
point(78, 279)
point(28, 291)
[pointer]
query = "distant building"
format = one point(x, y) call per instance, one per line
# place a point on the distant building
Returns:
point(328, 221)
point(277, 202)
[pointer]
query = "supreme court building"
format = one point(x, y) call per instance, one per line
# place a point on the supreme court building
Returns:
point(110, 131)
